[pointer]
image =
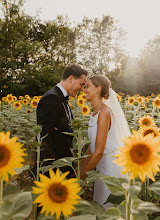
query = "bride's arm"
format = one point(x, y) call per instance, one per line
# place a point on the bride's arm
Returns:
point(103, 125)
point(85, 160)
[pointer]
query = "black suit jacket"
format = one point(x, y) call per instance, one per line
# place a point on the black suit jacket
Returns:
point(53, 116)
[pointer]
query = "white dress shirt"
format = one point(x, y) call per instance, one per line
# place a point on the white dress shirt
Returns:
point(65, 94)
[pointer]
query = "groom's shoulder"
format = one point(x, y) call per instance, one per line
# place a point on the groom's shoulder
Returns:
point(53, 92)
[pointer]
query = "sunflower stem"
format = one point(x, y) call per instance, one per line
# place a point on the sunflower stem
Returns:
point(79, 152)
point(38, 161)
point(1, 191)
point(128, 204)
point(37, 177)
point(146, 190)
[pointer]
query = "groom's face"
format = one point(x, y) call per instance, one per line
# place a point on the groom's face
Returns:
point(76, 85)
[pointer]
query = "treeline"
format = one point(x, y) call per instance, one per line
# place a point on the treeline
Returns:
point(33, 53)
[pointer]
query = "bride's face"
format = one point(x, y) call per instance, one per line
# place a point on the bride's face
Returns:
point(90, 90)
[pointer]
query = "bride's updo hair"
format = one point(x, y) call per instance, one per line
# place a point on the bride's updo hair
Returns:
point(103, 82)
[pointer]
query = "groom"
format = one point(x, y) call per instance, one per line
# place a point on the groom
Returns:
point(54, 114)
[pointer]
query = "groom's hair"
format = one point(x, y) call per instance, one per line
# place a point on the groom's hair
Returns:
point(75, 70)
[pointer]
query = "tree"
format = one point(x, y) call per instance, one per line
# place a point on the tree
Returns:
point(150, 65)
point(33, 53)
point(98, 45)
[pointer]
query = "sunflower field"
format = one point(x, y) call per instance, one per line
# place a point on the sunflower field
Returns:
point(27, 196)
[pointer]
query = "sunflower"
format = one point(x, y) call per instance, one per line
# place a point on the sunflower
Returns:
point(3, 99)
point(28, 111)
point(139, 156)
point(9, 98)
point(34, 103)
point(36, 97)
point(131, 100)
point(57, 194)
point(158, 96)
point(119, 97)
point(27, 97)
point(11, 155)
point(135, 103)
point(143, 107)
point(83, 96)
point(80, 101)
point(14, 98)
point(149, 130)
point(25, 101)
point(152, 94)
point(156, 102)
point(70, 98)
point(85, 110)
point(146, 100)
point(146, 121)
point(17, 105)
point(20, 97)
point(76, 124)
point(140, 99)
point(136, 95)
point(149, 97)
point(69, 104)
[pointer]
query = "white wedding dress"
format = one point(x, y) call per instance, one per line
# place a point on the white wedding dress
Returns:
point(106, 166)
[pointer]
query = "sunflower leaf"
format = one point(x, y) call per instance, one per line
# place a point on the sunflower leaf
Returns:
point(92, 208)
point(155, 187)
point(85, 142)
point(112, 214)
point(133, 189)
point(22, 205)
point(145, 208)
point(113, 184)
point(122, 208)
point(48, 217)
point(83, 217)
point(6, 209)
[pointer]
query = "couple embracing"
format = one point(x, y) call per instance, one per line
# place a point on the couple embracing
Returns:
point(106, 127)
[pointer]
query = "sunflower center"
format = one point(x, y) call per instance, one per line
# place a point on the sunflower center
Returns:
point(57, 192)
point(157, 102)
point(131, 100)
point(146, 122)
point(149, 131)
point(84, 109)
point(4, 156)
point(140, 153)
point(35, 103)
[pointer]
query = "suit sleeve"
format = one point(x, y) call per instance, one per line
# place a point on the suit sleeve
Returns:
point(49, 113)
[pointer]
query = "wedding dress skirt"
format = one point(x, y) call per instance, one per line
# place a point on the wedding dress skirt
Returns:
point(106, 166)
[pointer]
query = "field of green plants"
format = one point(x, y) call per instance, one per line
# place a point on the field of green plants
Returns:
point(60, 198)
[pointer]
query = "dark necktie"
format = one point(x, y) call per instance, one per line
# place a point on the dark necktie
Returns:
point(68, 108)
point(67, 98)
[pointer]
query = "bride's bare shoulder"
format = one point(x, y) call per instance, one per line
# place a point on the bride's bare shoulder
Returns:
point(105, 112)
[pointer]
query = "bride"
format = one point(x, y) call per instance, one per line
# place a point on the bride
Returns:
point(106, 128)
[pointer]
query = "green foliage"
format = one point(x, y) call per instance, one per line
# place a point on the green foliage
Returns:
point(98, 44)
point(33, 54)
point(16, 204)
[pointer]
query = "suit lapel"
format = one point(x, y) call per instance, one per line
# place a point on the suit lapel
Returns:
point(62, 98)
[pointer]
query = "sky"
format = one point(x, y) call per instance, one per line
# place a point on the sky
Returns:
point(139, 18)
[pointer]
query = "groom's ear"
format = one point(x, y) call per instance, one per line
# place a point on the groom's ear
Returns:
point(70, 78)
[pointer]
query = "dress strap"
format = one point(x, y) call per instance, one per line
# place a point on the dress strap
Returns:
point(109, 110)
point(105, 108)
